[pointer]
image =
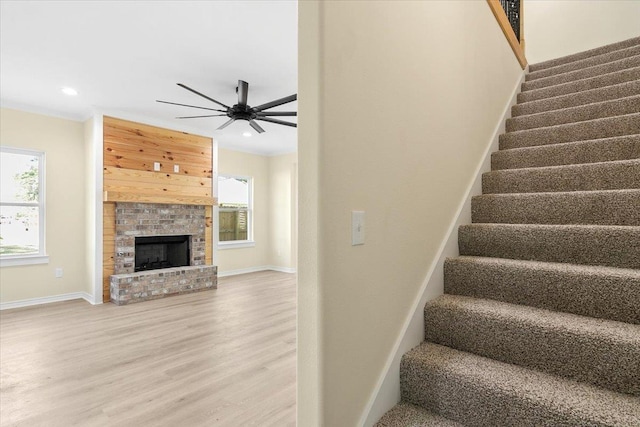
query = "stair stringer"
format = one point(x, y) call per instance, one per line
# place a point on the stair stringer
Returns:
point(386, 393)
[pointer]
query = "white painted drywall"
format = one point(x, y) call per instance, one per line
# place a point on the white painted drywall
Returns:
point(62, 141)
point(396, 107)
point(257, 167)
point(273, 204)
point(282, 204)
point(555, 28)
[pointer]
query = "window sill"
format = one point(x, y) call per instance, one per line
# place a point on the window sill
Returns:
point(24, 260)
point(236, 244)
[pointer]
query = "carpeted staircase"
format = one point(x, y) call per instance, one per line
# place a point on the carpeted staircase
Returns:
point(540, 321)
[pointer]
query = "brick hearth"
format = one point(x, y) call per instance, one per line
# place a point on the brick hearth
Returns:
point(149, 219)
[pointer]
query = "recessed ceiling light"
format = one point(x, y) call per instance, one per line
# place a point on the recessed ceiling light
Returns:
point(69, 91)
point(246, 134)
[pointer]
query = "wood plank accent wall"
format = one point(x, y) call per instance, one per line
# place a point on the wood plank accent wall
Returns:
point(130, 150)
point(108, 246)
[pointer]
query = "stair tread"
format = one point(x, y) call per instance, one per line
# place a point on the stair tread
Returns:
point(575, 114)
point(627, 124)
point(603, 352)
point(501, 385)
point(581, 85)
point(568, 153)
point(595, 291)
point(556, 267)
point(524, 316)
point(602, 58)
point(597, 176)
point(582, 73)
point(569, 167)
point(405, 414)
point(558, 227)
point(554, 103)
point(612, 47)
point(612, 245)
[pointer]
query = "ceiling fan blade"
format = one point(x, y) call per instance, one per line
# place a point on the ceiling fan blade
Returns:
point(275, 103)
point(256, 126)
point(280, 122)
point(243, 92)
point(192, 106)
point(227, 123)
point(202, 95)
point(197, 117)
point(277, 113)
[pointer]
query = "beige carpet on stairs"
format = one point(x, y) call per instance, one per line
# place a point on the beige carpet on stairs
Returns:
point(540, 321)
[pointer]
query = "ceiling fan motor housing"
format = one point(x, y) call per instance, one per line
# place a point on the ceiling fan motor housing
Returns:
point(241, 112)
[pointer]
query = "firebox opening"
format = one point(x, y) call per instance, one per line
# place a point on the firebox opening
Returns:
point(157, 252)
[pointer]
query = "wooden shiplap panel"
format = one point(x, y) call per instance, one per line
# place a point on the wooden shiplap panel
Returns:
point(131, 149)
point(158, 188)
point(118, 174)
point(108, 246)
point(132, 197)
point(137, 146)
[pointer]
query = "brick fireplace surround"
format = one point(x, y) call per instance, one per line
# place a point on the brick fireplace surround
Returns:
point(150, 219)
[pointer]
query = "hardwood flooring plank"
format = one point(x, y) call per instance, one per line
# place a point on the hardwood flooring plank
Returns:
point(225, 357)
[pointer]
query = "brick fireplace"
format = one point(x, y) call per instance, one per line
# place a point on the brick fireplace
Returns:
point(155, 224)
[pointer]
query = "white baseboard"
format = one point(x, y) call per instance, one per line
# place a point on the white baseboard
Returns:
point(46, 300)
point(256, 269)
point(386, 394)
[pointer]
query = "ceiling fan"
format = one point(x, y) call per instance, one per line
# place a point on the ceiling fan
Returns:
point(241, 110)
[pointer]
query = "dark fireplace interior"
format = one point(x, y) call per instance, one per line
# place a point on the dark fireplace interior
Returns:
point(157, 252)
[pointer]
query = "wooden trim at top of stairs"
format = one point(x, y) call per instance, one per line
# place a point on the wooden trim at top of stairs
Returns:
point(501, 17)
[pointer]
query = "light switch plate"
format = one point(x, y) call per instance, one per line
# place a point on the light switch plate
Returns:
point(176, 168)
point(156, 166)
point(357, 228)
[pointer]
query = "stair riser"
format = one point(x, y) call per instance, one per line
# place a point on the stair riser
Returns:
point(581, 74)
point(590, 177)
point(601, 150)
point(608, 93)
point(593, 358)
point(559, 208)
point(581, 113)
point(585, 63)
point(583, 55)
point(576, 87)
point(594, 129)
point(475, 405)
point(601, 294)
point(615, 247)
point(405, 414)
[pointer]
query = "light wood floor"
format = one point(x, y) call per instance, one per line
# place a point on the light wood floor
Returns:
point(224, 357)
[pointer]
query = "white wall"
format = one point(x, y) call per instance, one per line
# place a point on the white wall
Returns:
point(282, 209)
point(555, 28)
point(239, 163)
point(63, 143)
point(272, 211)
point(90, 209)
point(396, 108)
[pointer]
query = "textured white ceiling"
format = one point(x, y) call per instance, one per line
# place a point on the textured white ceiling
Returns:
point(123, 55)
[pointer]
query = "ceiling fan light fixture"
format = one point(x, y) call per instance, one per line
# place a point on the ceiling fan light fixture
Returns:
point(69, 91)
point(243, 111)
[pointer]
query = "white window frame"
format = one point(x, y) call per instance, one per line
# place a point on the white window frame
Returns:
point(41, 257)
point(249, 242)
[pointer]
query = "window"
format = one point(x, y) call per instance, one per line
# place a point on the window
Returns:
point(21, 207)
point(234, 211)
